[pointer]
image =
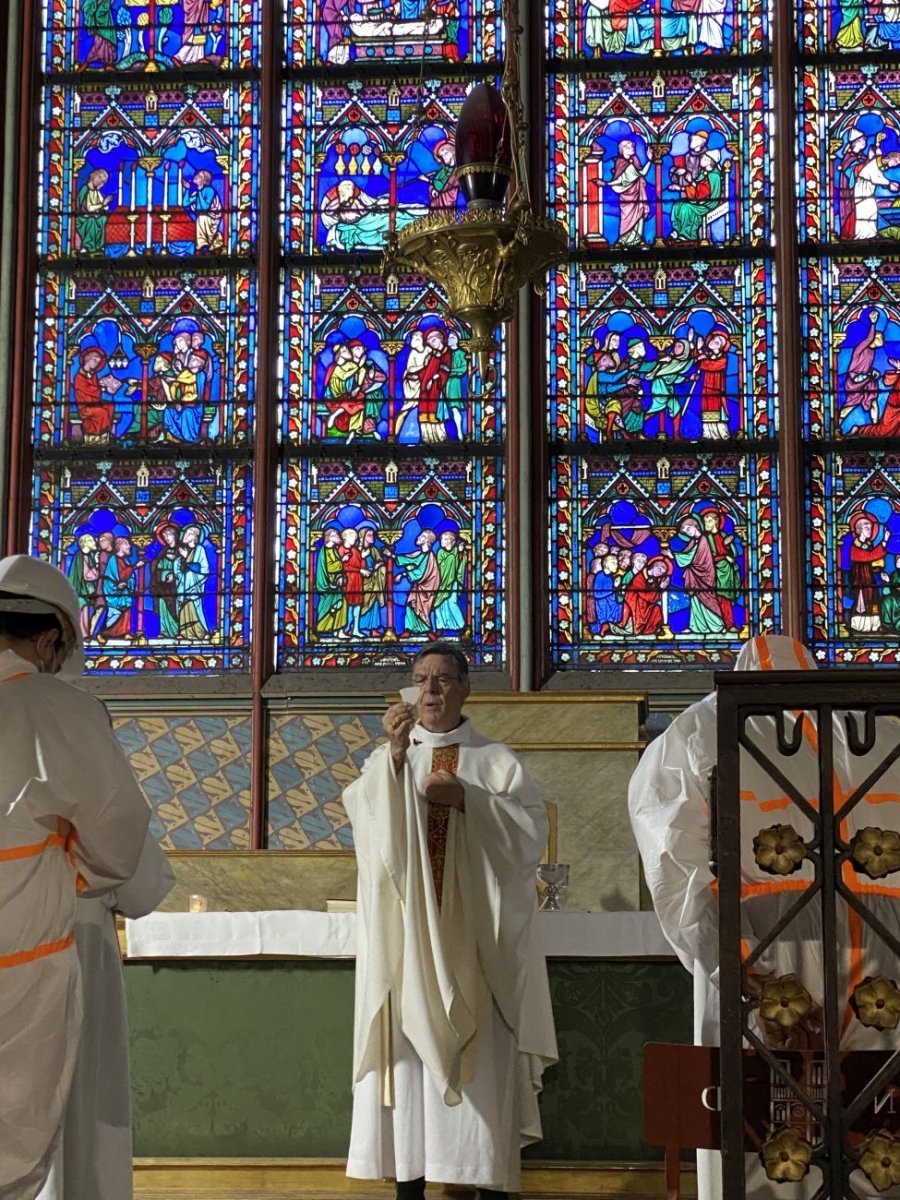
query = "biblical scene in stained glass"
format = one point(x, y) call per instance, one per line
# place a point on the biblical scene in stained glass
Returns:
point(144, 357)
point(849, 153)
point(369, 359)
point(661, 159)
point(671, 351)
point(833, 25)
point(853, 526)
point(367, 158)
point(148, 168)
point(338, 32)
point(150, 35)
point(658, 561)
point(610, 28)
point(380, 557)
point(851, 348)
point(158, 554)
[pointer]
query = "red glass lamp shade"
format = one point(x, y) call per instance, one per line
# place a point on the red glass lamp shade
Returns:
point(483, 152)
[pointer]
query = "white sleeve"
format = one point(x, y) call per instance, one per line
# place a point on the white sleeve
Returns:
point(668, 802)
point(148, 886)
point(510, 824)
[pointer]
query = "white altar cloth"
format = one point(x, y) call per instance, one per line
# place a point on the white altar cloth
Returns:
point(306, 934)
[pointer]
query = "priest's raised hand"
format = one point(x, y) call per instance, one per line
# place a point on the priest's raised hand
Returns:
point(398, 722)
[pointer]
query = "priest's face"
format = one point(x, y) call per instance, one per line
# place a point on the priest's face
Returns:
point(442, 693)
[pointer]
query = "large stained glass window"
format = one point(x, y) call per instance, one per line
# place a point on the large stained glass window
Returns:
point(161, 291)
point(390, 495)
point(662, 413)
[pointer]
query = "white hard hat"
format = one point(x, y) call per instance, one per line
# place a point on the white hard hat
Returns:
point(45, 589)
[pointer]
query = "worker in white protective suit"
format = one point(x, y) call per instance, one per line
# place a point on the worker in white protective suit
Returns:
point(72, 820)
point(94, 1160)
point(668, 802)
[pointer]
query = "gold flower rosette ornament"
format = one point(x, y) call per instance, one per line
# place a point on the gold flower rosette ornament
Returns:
point(876, 851)
point(877, 1003)
point(879, 1160)
point(784, 1000)
point(786, 1156)
point(779, 849)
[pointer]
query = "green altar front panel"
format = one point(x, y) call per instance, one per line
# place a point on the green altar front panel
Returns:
point(253, 1059)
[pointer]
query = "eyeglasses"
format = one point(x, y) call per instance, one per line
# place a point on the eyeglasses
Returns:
point(443, 681)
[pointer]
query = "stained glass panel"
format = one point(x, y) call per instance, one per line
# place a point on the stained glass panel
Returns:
point(675, 351)
point(372, 361)
point(849, 147)
point(661, 159)
point(853, 523)
point(661, 561)
point(381, 556)
point(144, 357)
point(851, 348)
point(150, 35)
point(600, 29)
point(140, 168)
point(334, 33)
point(826, 26)
point(158, 553)
point(364, 156)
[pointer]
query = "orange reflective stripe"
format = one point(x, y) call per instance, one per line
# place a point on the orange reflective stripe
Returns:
point(773, 805)
point(18, 852)
point(772, 889)
point(21, 675)
point(765, 654)
point(44, 950)
point(798, 654)
point(881, 798)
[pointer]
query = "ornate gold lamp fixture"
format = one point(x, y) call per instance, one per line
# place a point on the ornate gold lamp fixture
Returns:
point(483, 255)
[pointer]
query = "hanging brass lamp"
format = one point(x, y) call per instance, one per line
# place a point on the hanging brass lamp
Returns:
point(481, 256)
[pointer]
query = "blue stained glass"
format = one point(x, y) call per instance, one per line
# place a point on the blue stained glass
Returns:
point(138, 168)
point(853, 531)
point(660, 560)
point(150, 35)
point(662, 159)
point(159, 555)
point(365, 158)
point(381, 556)
point(334, 33)
point(611, 28)
point(379, 361)
point(145, 357)
point(675, 350)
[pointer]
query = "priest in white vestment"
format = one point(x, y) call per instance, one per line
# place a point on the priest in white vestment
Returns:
point(453, 1022)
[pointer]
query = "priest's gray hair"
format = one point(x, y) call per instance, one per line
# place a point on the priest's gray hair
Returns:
point(445, 650)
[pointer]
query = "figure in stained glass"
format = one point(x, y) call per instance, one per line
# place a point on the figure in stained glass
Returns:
point(422, 572)
point(863, 562)
point(443, 186)
point(451, 407)
point(373, 610)
point(850, 163)
point(129, 34)
point(163, 587)
point(93, 213)
point(354, 570)
point(451, 561)
point(92, 412)
point(206, 208)
point(192, 574)
point(667, 375)
point(698, 570)
point(849, 35)
point(120, 589)
point(383, 28)
point(84, 575)
point(331, 607)
point(860, 376)
point(629, 183)
point(874, 211)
